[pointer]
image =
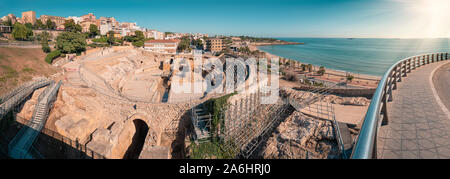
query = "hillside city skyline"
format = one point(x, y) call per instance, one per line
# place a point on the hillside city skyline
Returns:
point(216, 79)
point(343, 19)
point(213, 34)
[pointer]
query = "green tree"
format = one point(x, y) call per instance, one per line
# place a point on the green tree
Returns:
point(29, 25)
point(7, 22)
point(139, 43)
point(139, 35)
point(50, 25)
point(304, 66)
point(137, 40)
point(350, 77)
point(71, 42)
point(39, 25)
point(321, 70)
point(310, 67)
point(45, 47)
point(69, 25)
point(129, 38)
point(44, 36)
point(93, 30)
point(184, 43)
point(111, 40)
point(21, 32)
point(244, 50)
point(198, 43)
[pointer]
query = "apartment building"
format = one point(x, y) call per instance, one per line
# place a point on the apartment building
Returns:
point(157, 35)
point(59, 21)
point(214, 45)
point(162, 46)
point(85, 25)
point(29, 17)
point(105, 28)
point(87, 20)
point(76, 19)
point(19, 20)
point(109, 20)
point(10, 17)
point(116, 35)
point(128, 25)
point(88, 17)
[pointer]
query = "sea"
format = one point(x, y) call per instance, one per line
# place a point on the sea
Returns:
point(356, 55)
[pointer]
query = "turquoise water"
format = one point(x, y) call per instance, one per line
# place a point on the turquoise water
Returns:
point(364, 56)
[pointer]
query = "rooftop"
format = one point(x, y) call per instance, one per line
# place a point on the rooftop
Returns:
point(163, 41)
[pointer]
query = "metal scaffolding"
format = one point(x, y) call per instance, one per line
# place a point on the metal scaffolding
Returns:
point(249, 120)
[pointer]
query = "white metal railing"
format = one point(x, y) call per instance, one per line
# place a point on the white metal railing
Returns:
point(376, 115)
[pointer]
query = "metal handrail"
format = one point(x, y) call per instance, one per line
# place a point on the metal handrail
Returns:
point(365, 147)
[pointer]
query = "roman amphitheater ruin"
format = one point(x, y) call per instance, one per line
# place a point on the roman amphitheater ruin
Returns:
point(124, 102)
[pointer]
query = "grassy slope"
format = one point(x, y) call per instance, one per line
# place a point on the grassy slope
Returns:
point(18, 65)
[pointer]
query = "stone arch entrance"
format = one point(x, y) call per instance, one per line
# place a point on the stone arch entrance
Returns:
point(138, 140)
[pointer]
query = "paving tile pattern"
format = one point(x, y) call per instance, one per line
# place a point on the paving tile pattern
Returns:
point(418, 128)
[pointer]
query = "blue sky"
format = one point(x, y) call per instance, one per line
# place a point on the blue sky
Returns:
point(268, 18)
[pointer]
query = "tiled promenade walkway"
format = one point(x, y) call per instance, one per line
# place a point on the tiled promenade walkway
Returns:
point(418, 127)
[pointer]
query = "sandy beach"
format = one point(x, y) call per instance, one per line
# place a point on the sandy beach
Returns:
point(332, 75)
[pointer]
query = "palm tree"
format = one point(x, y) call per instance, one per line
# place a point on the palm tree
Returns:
point(303, 67)
point(321, 70)
point(310, 68)
point(350, 77)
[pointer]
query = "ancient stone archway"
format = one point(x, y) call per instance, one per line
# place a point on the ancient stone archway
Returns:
point(138, 140)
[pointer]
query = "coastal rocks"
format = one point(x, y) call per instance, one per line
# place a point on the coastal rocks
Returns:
point(301, 137)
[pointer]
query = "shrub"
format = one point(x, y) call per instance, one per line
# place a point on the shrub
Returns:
point(138, 43)
point(92, 45)
point(217, 105)
point(307, 82)
point(52, 55)
point(212, 150)
point(350, 77)
point(102, 39)
point(318, 84)
point(28, 70)
point(46, 48)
